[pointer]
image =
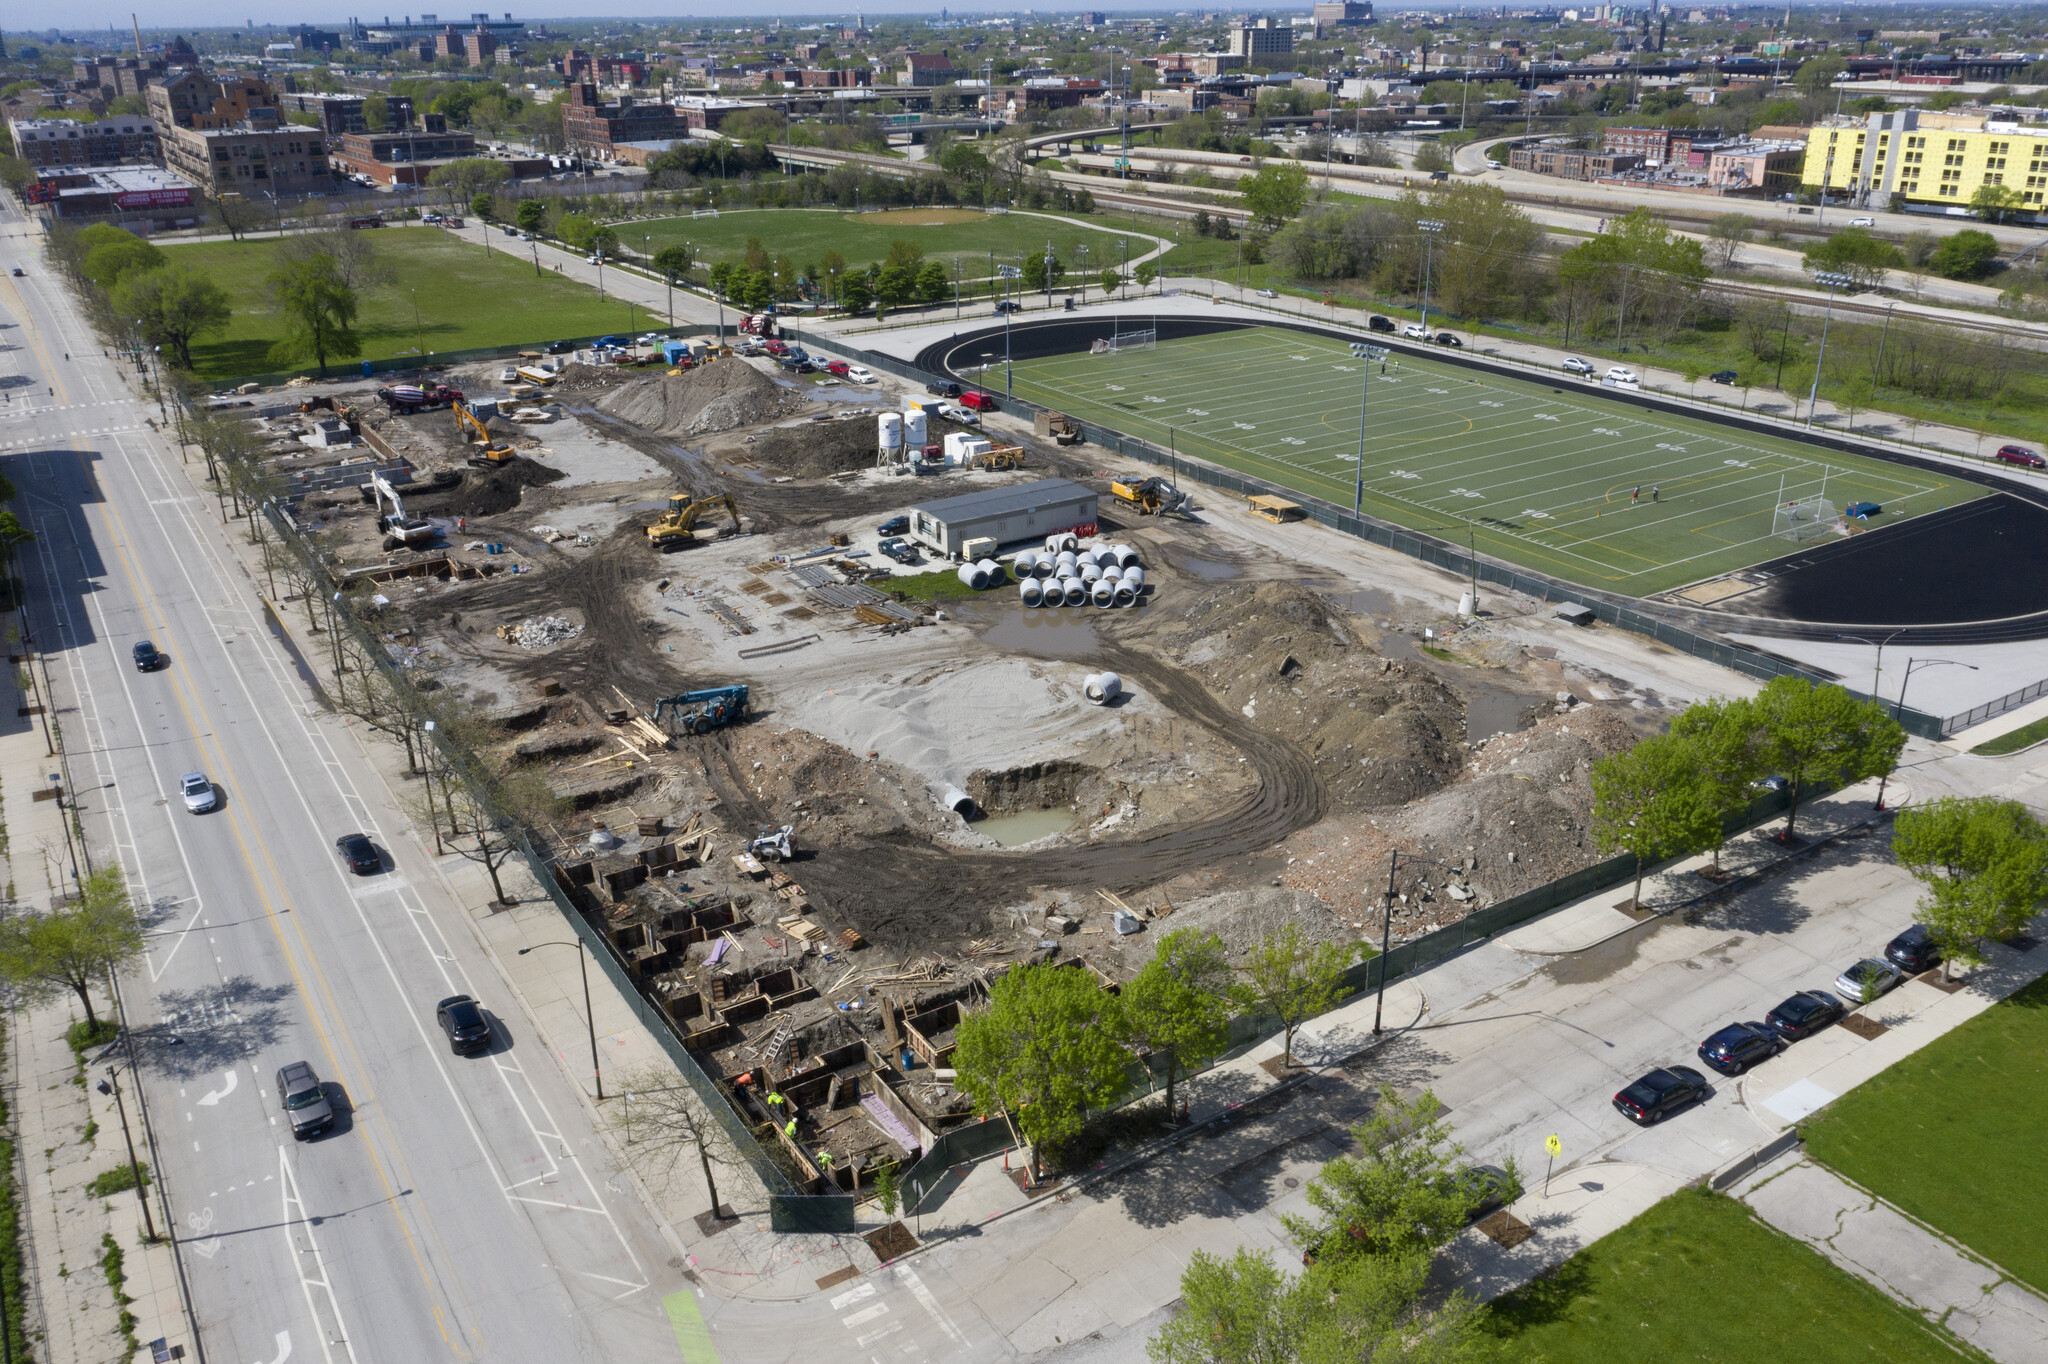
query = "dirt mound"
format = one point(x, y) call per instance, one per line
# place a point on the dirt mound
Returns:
point(1379, 732)
point(699, 402)
point(482, 492)
point(581, 378)
point(819, 448)
point(1245, 918)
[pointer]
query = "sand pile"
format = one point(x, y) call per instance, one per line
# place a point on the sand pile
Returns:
point(698, 402)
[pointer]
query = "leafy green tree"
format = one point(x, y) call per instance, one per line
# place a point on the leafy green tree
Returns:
point(1964, 255)
point(1179, 1003)
point(1038, 275)
point(932, 283)
point(1725, 236)
point(377, 113)
point(604, 241)
point(1638, 269)
point(1820, 734)
point(855, 294)
point(1984, 862)
point(319, 313)
point(673, 262)
point(1650, 801)
point(484, 205)
point(576, 229)
point(469, 176)
point(1292, 979)
point(12, 532)
point(530, 215)
point(1275, 193)
point(1432, 159)
point(756, 291)
point(1242, 1310)
point(112, 253)
point(1856, 394)
point(237, 213)
point(1996, 203)
point(1043, 1052)
point(1145, 273)
point(1854, 252)
point(75, 947)
point(1111, 280)
point(1719, 738)
point(174, 306)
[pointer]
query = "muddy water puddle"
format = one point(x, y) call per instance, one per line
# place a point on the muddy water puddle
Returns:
point(1208, 570)
point(1064, 632)
point(1027, 827)
point(1490, 711)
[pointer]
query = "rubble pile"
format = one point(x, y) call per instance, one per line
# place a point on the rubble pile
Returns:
point(542, 632)
point(699, 402)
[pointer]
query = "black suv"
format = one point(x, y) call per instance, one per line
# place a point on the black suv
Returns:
point(462, 1018)
point(943, 388)
point(147, 659)
point(1379, 324)
point(559, 347)
point(1913, 951)
point(1739, 1046)
point(1804, 1014)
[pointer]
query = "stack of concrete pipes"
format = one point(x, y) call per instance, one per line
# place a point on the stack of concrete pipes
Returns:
point(1064, 574)
point(982, 573)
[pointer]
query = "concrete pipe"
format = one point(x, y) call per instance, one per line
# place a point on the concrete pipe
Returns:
point(991, 573)
point(1072, 592)
point(1067, 562)
point(1024, 564)
point(1064, 543)
point(1030, 592)
point(972, 575)
point(1102, 592)
point(1088, 573)
point(1134, 578)
point(1046, 567)
point(1103, 556)
point(1112, 572)
point(958, 801)
point(1101, 688)
point(1126, 595)
point(1126, 557)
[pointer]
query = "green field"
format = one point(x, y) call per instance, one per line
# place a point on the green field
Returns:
point(1544, 475)
point(465, 299)
point(944, 233)
point(1952, 1134)
point(1697, 1278)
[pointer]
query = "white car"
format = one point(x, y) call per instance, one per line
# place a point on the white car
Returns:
point(1269, 293)
point(859, 375)
point(1863, 222)
point(965, 416)
point(1574, 365)
point(1415, 331)
point(1881, 974)
point(197, 789)
point(1494, 165)
point(509, 375)
point(1622, 376)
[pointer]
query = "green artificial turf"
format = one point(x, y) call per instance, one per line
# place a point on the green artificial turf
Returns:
point(465, 298)
point(1548, 474)
point(1953, 1134)
point(1698, 1279)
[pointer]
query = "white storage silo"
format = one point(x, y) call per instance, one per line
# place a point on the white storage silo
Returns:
point(890, 435)
point(914, 429)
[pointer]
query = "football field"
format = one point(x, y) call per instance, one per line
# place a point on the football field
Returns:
point(1548, 475)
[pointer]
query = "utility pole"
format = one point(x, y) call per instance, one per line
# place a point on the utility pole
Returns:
point(112, 1085)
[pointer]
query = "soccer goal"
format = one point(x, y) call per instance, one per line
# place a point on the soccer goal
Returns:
point(1123, 341)
point(1805, 518)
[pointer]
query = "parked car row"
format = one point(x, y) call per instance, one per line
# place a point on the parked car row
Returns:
point(1739, 1046)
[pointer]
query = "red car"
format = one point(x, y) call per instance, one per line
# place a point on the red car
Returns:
point(2021, 455)
point(776, 348)
point(980, 402)
point(836, 368)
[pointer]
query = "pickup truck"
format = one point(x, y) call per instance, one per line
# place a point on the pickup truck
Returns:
point(902, 551)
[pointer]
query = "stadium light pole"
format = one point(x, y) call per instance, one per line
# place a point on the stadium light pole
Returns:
point(1009, 272)
point(1369, 354)
point(1834, 279)
point(1429, 227)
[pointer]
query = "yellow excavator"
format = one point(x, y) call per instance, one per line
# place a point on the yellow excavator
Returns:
point(494, 455)
point(678, 525)
point(1148, 497)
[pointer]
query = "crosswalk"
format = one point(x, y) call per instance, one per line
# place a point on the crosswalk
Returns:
point(60, 436)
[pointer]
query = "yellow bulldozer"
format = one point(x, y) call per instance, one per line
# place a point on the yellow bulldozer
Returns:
point(1000, 457)
point(678, 525)
point(494, 455)
point(1149, 497)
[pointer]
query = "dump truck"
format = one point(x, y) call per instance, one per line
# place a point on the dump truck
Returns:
point(700, 712)
point(418, 397)
point(495, 454)
point(678, 525)
point(1149, 497)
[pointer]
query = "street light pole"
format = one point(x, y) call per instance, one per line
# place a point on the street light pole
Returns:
point(1834, 280)
point(1394, 860)
point(112, 1085)
point(1899, 708)
point(1369, 354)
point(583, 961)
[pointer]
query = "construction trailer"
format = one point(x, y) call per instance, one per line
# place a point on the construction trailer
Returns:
point(1022, 511)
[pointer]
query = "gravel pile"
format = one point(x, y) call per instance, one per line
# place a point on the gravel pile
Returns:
point(541, 632)
point(698, 402)
point(1245, 918)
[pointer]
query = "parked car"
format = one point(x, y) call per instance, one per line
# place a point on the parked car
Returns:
point(983, 403)
point(859, 374)
point(462, 1018)
point(792, 364)
point(837, 368)
point(1415, 331)
point(1574, 365)
point(1739, 1046)
point(2020, 455)
point(1622, 375)
point(17, 272)
point(943, 388)
point(611, 343)
point(559, 347)
point(965, 416)
point(1804, 1014)
point(1863, 222)
point(1771, 783)
point(1913, 951)
point(1491, 164)
point(1660, 1093)
point(1723, 376)
point(1877, 972)
point(147, 659)
point(895, 525)
point(1008, 305)
point(1447, 339)
point(1269, 293)
point(509, 230)
point(305, 1103)
point(197, 789)
point(1379, 324)
point(902, 551)
point(360, 854)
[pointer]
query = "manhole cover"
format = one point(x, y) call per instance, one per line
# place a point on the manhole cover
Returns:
point(1291, 1182)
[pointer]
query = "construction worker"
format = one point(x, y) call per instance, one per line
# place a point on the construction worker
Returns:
point(789, 1129)
point(825, 1161)
point(775, 1102)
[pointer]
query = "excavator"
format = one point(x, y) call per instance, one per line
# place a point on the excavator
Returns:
point(1149, 497)
point(700, 712)
point(494, 455)
point(400, 531)
point(678, 525)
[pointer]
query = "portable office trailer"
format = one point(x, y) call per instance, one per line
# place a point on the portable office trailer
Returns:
point(1022, 511)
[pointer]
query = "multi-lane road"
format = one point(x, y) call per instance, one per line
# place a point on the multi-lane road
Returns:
point(463, 1209)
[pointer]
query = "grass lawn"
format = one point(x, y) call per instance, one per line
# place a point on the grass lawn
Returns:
point(1698, 1279)
point(944, 233)
point(1952, 1134)
point(466, 299)
point(2026, 736)
point(1544, 476)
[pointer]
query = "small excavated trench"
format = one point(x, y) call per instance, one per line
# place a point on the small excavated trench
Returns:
point(1023, 804)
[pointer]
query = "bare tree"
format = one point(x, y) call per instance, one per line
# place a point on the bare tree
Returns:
point(665, 1123)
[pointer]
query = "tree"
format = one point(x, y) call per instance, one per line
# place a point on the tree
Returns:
point(1725, 235)
point(932, 282)
point(1857, 254)
point(319, 313)
point(354, 255)
point(75, 947)
point(1432, 159)
point(485, 205)
point(664, 1124)
point(1984, 862)
point(1814, 734)
point(1044, 1052)
point(1145, 273)
point(1650, 802)
point(1291, 979)
point(530, 215)
point(1855, 395)
point(111, 253)
point(173, 306)
point(1638, 267)
point(576, 229)
point(1965, 255)
point(1719, 737)
point(1179, 1003)
point(1275, 193)
point(237, 213)
point(1236, 1311)
point(1996, 203)
point(1111, 280)
point(854, 293)
point(469, 176)
point(377, 113)
point(1408, 1191)
point(1043, 270)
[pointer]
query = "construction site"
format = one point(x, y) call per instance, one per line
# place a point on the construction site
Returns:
point(826, 757)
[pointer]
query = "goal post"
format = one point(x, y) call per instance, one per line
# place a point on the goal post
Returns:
point(1805, 518)
point(1123, 341)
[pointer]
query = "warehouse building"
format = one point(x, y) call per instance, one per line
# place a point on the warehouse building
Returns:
point(1008, 516)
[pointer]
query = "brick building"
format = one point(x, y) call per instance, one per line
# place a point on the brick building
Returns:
point(1659, 146)
point(122, 75)
point(592, 127)
point(123, 139)
point(1573, 163)
point(925, 68)
point(229, 135)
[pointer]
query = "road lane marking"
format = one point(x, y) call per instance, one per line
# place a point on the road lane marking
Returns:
point(214, 1096)
point(693, 1336)
point(294, 1216)
point(930, 1303)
